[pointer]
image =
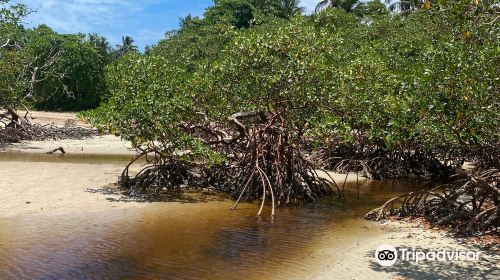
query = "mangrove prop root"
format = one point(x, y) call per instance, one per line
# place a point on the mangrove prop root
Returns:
point(468, 205)
point(372, 159)
point(273, 168)
point(264, 163)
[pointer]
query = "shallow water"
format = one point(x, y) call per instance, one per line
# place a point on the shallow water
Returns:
point(201, 239)
point(65, 158)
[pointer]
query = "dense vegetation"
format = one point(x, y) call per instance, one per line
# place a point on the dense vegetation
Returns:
point(254, 97)
point(252, 93)
point(42, 69)
point(46, 70)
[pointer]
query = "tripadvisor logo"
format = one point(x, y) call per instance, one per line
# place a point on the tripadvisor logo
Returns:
point(387, 255)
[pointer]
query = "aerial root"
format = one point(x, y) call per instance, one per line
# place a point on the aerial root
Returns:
point(469, 206)
point(266, 165)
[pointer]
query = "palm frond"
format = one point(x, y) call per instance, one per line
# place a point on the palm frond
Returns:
point(322, 5)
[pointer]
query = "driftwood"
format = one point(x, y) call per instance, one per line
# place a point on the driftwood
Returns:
point(60, 149)
point(15, 128)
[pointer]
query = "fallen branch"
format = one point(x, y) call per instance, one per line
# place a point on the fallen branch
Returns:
point(60, 149)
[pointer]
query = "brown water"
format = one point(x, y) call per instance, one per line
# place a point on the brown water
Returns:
point(65, 158)
point(202, 239)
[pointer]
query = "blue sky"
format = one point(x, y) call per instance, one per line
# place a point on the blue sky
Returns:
point(144, 20)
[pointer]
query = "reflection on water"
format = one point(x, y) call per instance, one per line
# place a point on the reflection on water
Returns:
point(65, 158)
point(183, 241)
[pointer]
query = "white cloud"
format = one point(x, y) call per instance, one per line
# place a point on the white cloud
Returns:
point(111, 18)
point(82, 15)
point(309, 5)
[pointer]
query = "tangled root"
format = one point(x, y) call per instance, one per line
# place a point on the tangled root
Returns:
point(376, 161)
point(154, 178)
point(36, 132)
point(273, 168)
point(469, 205)
point(18, 128)
point(266, 164)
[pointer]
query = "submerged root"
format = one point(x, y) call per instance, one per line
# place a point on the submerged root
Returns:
point(266, 164)
point(469, 205)
point(273, 168)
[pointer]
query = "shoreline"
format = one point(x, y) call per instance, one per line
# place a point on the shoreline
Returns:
point(62, 188)
point(76, 184)
point(360, 255)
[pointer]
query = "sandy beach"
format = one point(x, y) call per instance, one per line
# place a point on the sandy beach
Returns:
point(53, 118)
point(51, 188)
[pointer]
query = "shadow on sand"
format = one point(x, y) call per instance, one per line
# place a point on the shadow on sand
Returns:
point(486, 268)
point(187, 196)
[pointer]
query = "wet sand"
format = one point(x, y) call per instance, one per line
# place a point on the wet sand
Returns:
point(353, 258)
point(35, 183)
point(99, 145)
point(48, 188)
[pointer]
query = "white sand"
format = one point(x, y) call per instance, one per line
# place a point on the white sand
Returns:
point(46, 188)
point(58, 119)
point(354, 258)
point(99, 145)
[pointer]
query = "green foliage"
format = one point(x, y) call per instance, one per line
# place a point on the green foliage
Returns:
point(278, 8)
point(125, 47)
point(11, 57)
point(447, 93)
point(147, 106)
point(350, 6)
point(195, 42)
point(375, 8)
point(51, 71)
point(101, 45)
point(76, 78)
point(428, 80)
point(10, 19)
point(237, 13)
point(270, 69)
point(47, 70)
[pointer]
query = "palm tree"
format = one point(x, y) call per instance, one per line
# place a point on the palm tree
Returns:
point(350, 6)
point(99, 42)
point(403, 6)
point(289, 8)
point(126, 46)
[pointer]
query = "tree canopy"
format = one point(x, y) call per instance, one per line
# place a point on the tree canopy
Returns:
point(252, 85)
point(412, 93)
point(43, 69)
